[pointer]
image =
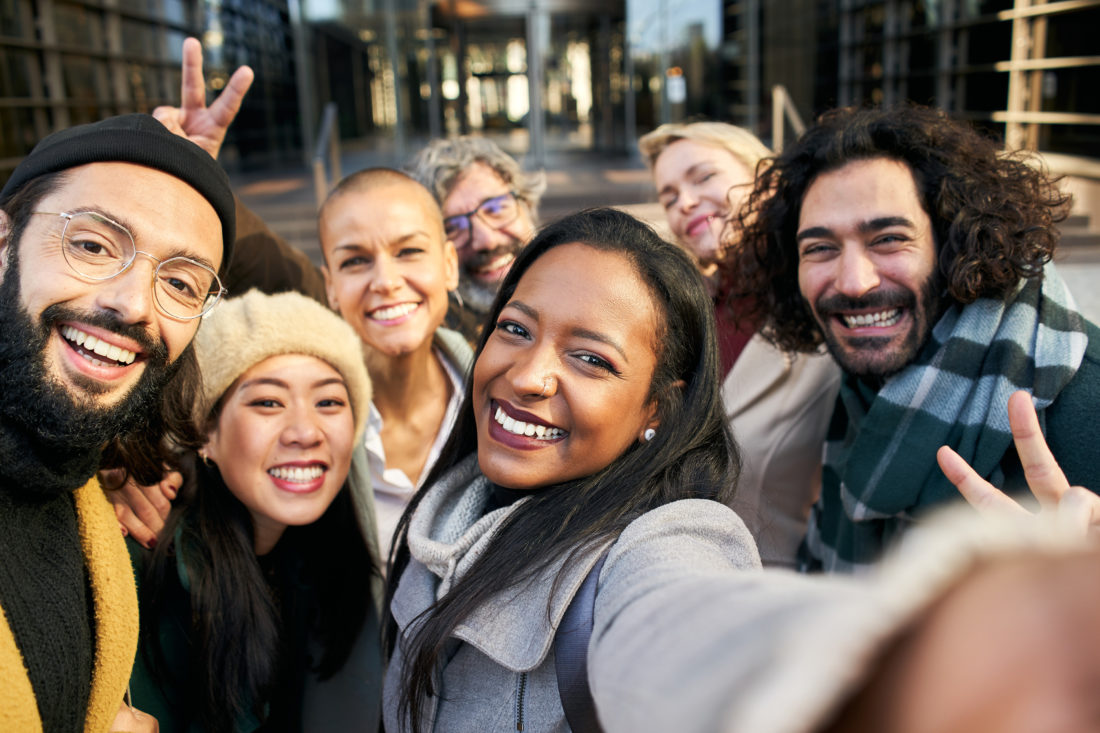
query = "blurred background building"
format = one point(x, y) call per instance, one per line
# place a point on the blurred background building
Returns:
point(551, 76)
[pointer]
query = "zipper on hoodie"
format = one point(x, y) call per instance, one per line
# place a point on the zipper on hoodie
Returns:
point(521, 687)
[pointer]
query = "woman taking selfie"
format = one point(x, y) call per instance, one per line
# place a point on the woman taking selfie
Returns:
point(256, 604)
point(777, 403)
point(593, 411)
point(587, 469)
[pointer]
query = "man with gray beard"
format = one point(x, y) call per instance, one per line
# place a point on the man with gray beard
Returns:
point(490, 211)
point(112, 236)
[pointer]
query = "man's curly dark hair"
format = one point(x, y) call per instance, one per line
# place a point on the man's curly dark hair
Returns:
point(992, 213)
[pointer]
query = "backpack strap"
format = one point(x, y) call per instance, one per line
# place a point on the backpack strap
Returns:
point(571, 655)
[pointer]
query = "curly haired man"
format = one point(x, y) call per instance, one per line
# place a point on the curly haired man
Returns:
point(917, 251)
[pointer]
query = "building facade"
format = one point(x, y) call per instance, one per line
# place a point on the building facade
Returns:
point(65, 62)
point(551, 75)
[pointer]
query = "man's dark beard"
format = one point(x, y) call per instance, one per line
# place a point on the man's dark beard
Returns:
point(50, 442)
point(926, 311)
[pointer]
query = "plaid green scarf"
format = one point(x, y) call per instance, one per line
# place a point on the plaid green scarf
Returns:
point(880, 469)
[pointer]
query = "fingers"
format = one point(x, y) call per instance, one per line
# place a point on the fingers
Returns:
point(142, 510)
point(1079, 512)
point(202, 125)
point(134, 527)
point(146, 511)
point(111, 478)
point(170, 118)
point(160, 496)
point(133, 720)
point(979, 493)
point(192, 85)
point(1044, 475)
point(120, 514)
point(170, 485)
point(225, 107)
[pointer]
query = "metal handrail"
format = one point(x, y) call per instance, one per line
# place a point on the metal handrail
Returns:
point(328, 145)
point(783, 110)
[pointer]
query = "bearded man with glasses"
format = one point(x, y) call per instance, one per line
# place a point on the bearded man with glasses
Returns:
point(90, 335)
point(490, 211)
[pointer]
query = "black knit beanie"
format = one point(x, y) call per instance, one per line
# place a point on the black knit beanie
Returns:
point(135, 138)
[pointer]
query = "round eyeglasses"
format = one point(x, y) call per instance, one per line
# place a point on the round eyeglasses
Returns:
point(97, 247)
point(496, 212)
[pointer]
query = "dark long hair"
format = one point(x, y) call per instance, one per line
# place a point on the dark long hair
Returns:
point(692, 455)
point(245, 623)
point(993, 213)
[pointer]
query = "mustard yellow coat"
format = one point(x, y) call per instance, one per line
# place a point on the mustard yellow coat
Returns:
point(116, 625)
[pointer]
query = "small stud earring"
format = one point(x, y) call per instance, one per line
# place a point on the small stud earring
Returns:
point(205, 459)
point(649, 434)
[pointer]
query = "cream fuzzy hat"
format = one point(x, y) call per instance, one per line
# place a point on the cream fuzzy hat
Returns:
point(241, 332)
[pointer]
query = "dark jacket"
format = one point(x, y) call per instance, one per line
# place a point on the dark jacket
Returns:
point(349, 700)
point(264, 261)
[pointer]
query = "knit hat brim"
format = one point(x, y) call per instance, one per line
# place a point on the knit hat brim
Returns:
point(242, 332)
point(139, 139)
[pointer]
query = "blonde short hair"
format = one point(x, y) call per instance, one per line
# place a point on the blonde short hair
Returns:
point(741, 143)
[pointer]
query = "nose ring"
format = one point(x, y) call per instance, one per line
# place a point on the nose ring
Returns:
point(545, 386)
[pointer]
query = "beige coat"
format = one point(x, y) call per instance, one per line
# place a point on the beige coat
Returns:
point(778, 405)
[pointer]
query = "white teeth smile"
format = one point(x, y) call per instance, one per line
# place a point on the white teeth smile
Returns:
point(529, 429)
point(394, 311)
point(882, 319)
point(496, 264)
point(89, 344)
point(296, 474)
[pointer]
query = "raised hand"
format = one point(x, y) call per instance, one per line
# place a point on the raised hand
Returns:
point(1077, 507)
point(202, 125)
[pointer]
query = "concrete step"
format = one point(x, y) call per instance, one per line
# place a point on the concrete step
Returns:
point(1079, 239)
point(1076, 233)
point(291, 214)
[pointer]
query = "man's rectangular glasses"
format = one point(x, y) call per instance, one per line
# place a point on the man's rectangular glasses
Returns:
point(495, 212)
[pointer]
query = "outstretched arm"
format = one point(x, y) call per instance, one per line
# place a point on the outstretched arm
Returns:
point(1077, 507)
point(205, 126)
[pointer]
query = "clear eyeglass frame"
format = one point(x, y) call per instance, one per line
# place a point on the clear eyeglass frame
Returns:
point(172, 279)
point(460, 234)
